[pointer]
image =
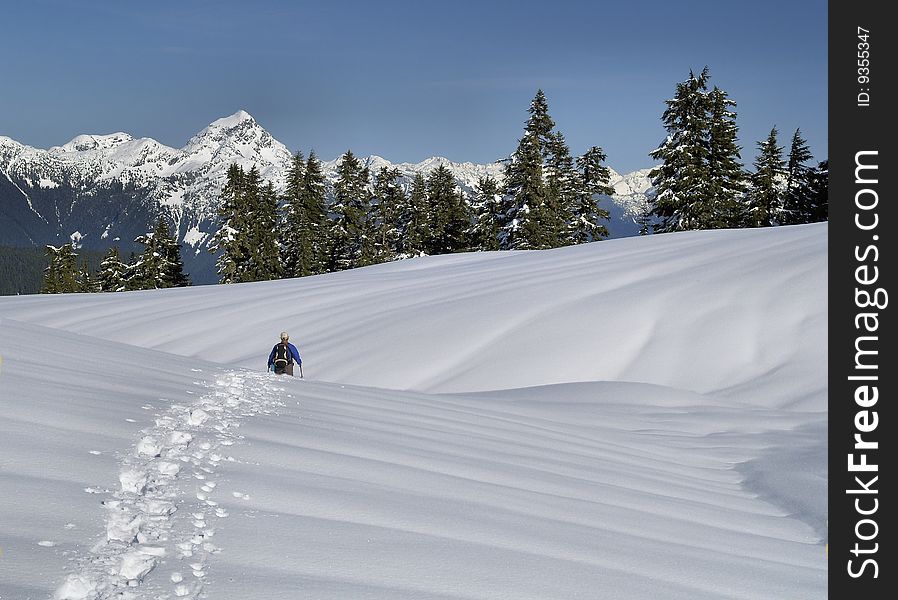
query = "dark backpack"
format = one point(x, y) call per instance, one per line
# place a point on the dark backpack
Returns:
point(282, 357)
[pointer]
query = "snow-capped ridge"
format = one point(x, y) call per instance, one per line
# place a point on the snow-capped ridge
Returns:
point(86, 142)
point(233, 120)
point(240, 126)
point(184, 184)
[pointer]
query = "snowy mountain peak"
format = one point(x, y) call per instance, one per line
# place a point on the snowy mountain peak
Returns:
point(233, 120)
point(241, 137)
point(124, 183)
point(84, 143)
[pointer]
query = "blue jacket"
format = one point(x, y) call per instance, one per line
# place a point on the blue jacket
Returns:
point(293, 352)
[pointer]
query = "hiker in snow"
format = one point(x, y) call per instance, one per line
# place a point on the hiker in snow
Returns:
point(283, 356)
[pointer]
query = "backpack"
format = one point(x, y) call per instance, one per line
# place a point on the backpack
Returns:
point(282, 357)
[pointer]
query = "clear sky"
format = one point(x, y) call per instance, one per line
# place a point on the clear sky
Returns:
point(408, 79)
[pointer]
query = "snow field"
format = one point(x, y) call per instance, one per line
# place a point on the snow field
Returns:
point(636, 419)
point(143, 524)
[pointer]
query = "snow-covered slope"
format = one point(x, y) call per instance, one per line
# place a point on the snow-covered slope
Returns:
point(642, 418)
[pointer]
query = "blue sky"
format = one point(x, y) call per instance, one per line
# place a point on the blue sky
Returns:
point(408, 80)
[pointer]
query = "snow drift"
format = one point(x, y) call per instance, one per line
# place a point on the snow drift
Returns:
point(637, 418)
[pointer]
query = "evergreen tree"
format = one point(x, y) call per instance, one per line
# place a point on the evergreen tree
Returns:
point(413, 219)
point(563, 189)
point(681, 180)
point(145, 273)
point(818, 193)
point(151, 269)
point(644, 220)
point(62, 275)
point(247, 241)
point(385, 218)
point(766, 190)
point(173, 272)
point(264, 263)
point(487, 203)
point(548, 198)
point(797, 192)
point(159, 266)
point(296, 249)
point(449, 213)
point(84, 281)
point(586, 216)
point(52, 275)
point(525, 197)
point(528, 218)
point(314, 193)
point(540, 124)
point(726, 177)
point(112, 271)
point(350, 209)
point(230, 240)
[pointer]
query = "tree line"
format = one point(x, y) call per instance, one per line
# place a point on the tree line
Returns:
point(21, 269)
point(159, 265)
point(701, 184)
point(546, 200)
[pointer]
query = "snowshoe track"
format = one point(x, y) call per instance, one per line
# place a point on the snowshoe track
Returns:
point(165, 514)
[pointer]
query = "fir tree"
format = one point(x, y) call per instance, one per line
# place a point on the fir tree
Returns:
point(264, 263)
point(385, 218)
point(296, 249)
point(152, 269)
point(487, 202)
point(525, 197)
point(230, 242)
point(538, 192)
point(766, 191)
point(644, 220)
point(159, 266)
point(586, 223)
point(563, 189)
point(540, 123)
point(247, 241)
point(146, 273)
point(314, 192)
point(797, 193)
point(681, 179)
point(350, 209)
point(413, 219)
point(449, 215)
point(52, 274)
point(726, 177)
point(111, 272)
point(818, 193)
point(548, 201)
point(173, 272)
point(84, 281)
point(62, 275)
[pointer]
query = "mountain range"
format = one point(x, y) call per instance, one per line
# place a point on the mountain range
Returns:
point(104, 190)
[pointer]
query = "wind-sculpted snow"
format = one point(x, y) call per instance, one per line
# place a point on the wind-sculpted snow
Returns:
point(736, 312)
point(637, 419)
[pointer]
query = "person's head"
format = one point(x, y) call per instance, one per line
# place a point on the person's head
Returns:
point(284, 336)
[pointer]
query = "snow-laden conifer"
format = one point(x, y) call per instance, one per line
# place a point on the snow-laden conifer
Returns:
point(765, 194)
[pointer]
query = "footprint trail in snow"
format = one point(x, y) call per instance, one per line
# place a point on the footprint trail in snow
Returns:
point(164, 516)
